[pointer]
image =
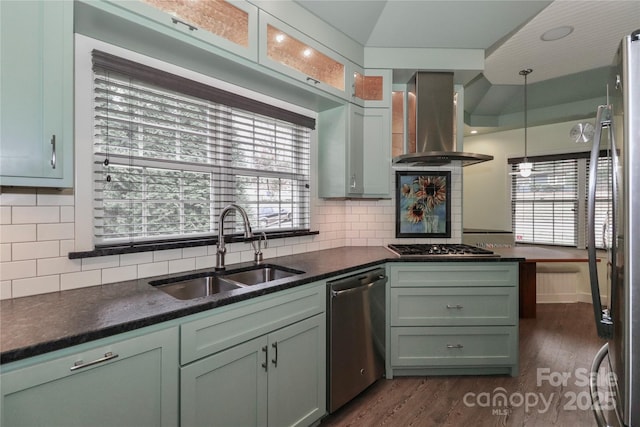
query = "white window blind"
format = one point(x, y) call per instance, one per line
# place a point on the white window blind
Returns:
point(545, 204)
point(550, 206)
point(166, 161)
point(603, 206)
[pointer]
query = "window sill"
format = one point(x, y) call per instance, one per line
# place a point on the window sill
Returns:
point(159, 246)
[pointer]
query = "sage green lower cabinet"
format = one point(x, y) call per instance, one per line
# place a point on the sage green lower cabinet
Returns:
point(274, 375)
point(274, 380)
point(111, 382)
point(453, 318)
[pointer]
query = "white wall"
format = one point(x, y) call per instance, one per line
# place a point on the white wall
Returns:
point(487, 186)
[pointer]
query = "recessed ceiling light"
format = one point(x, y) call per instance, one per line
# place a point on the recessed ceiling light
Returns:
point(474, 131)
point(556, 33)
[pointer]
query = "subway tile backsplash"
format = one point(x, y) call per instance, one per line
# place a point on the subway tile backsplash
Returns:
point(37, 233)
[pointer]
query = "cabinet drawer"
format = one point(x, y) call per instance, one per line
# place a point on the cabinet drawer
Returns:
point(440, 274)
point(233, 326)
point(454, 346)
point(454, 306)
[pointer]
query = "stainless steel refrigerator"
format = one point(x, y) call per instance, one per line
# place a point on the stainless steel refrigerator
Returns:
point(616, 396)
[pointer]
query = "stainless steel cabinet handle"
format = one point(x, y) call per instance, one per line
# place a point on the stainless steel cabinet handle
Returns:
point(275, 359)
point(265, 365)
point(53, 151)
point(189, 26)
point(80, 364)
point(455, 346)
point(457, 307)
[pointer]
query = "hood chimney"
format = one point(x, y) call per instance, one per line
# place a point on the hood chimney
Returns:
point(435, 122)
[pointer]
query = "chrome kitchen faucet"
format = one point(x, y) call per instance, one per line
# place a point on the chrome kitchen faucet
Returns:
point(248, 234)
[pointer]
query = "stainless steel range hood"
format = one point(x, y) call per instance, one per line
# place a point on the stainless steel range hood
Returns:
point(435, 139)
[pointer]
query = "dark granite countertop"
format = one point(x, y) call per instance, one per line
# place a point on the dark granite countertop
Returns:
point(34, 325)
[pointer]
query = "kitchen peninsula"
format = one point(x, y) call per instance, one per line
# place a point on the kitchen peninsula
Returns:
point(130, 329)
point(533, 255)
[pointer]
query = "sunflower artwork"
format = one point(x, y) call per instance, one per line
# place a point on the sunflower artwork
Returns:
point(423, 204)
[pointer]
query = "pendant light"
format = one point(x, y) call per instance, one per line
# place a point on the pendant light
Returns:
point(525, 168)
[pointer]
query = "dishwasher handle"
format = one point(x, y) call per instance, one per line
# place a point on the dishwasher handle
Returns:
point(361, 288)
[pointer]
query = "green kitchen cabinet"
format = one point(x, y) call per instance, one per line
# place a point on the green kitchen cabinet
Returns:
point(127, 380)
point(371, 87)
point(274, 380)
point(452, 318)
point(294, 54)
point(36, 101)
point(354, 156)
point(340, 156)
point(232, 26)
point(376, 152)
point(256, 363)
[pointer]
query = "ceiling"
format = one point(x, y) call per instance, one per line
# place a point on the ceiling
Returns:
point(568, 78)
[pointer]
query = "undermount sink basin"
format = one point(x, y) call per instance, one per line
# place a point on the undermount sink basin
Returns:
point(190, 287)
point(195, 288)
point(260, 274)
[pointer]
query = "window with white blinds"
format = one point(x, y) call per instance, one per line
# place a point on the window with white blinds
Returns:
point(544, 204)
point(170, 154)
point(550, 206)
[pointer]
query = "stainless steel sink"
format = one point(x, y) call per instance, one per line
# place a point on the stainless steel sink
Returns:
point(189, 287)
point(260, 274)
point(196, 288)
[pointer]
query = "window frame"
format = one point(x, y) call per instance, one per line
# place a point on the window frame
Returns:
point(579, 198)
point(84, 241)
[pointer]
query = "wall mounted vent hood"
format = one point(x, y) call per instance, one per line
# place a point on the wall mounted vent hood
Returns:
point(435, 139)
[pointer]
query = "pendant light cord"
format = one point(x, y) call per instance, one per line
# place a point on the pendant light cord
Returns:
point(525, 73)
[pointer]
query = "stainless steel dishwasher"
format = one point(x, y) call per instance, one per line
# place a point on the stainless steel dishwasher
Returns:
point(355, 335)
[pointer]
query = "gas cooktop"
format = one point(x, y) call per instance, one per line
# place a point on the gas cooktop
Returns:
point(440, 250)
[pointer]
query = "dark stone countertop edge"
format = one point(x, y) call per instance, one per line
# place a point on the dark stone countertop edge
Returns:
point(203, 304)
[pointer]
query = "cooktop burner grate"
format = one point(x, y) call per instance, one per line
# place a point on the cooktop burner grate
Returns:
point(440, 250)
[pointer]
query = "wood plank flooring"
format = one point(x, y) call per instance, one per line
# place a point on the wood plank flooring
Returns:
point(562, 340)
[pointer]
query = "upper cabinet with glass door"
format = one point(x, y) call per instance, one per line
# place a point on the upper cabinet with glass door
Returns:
point(230, 25)
point(290, 52)
point(371, 87)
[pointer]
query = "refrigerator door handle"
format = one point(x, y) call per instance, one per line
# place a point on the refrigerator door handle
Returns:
point(603, 322)
point(593, 386)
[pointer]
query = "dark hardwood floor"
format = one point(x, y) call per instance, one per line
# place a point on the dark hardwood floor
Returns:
point(561, 341)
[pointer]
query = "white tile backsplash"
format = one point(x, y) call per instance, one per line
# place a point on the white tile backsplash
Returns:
point(35, 285)
point(18, 233)
point(63, 230)
point(58, 265)
point(18, 269)
point(80, 279)
point(31, 250)
point(35, 260)
point(35, 214)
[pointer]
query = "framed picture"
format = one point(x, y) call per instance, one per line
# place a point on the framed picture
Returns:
point(423, 204)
